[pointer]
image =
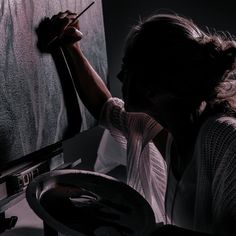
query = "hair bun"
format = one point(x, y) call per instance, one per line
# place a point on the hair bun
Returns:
point(229, 55)
point(220, 58)
point(227, 60)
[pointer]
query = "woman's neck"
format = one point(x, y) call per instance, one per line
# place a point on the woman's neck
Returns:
point(184, 137)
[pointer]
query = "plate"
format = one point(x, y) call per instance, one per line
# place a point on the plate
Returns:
point(78, 202)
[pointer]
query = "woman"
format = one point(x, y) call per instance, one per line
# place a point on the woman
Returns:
point(177, 118)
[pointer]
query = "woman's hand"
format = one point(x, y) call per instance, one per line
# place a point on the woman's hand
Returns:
point(59, 30)
point(65, 28)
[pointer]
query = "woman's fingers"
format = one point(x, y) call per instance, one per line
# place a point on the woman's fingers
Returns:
point(71, 35)
point(64, 27)
point(62, 15)
point(62, 20)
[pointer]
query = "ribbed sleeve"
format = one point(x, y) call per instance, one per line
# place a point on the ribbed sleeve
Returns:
point(146, 169)
point(115, 119)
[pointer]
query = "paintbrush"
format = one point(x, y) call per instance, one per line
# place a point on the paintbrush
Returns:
point(73, 21)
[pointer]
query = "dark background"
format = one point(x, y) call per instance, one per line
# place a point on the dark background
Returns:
point(120, 15)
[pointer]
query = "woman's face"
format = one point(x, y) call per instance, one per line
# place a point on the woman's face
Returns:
point(134, 92)
point(138, 98)
point(123, 78)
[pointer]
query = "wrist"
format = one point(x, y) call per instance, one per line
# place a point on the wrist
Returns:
point(74, 51)
point(71, 38)
point(72, 46)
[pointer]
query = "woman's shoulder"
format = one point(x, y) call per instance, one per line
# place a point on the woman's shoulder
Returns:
point(216, 142)
point(218, 129)
point(219, 122)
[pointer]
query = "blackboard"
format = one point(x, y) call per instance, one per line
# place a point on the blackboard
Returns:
point(33, 111)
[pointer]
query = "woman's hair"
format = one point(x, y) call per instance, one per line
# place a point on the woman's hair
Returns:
point(170, 54)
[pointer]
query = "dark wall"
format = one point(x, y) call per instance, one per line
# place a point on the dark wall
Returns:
point(120, 15)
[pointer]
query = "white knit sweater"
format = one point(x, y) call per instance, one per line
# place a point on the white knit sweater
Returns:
point(215, 156)
point(205, 197)
point(146, 169)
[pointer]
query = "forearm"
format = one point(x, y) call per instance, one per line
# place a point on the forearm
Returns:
point(90, 87)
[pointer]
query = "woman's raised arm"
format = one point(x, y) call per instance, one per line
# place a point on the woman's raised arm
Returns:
point(90, 87)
